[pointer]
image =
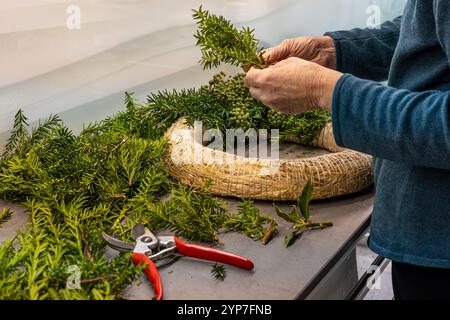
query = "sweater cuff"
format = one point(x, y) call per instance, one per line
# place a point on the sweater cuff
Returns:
point(337, 44)
point(336, 109)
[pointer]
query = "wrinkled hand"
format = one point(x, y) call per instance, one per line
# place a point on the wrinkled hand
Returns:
point(320, 50)
point(293, 86)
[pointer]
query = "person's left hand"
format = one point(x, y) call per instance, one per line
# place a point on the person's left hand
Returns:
point(293, 86)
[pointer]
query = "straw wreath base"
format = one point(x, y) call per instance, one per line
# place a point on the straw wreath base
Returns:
point(333, 171)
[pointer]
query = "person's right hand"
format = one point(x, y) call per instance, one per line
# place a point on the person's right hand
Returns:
point(320, 50)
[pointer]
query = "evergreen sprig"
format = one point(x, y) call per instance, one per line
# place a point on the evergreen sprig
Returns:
point(5, 215)
point(218, 271)
point(18, 135)
point(221, 42)
point(250, 221)
point(189, 212)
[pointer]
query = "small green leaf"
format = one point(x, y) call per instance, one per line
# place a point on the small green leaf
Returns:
point(284, 215)
point(290, 239)
point(305, 198)
point(295, 214)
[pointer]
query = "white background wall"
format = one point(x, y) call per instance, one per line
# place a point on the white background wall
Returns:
point(137, 45)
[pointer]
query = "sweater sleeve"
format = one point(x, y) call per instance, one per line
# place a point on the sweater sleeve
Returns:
point(392, 124)
point(367, 53)
point(441, 15)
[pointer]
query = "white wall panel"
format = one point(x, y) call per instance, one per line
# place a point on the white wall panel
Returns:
point(138, 45)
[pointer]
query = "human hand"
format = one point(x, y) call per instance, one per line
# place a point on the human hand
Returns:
point(320, 50)
point(293, 86)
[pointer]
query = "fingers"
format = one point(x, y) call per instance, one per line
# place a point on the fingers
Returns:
point(282, 51)
point(275, 54)
point(267, 56)
point(261, 90)
point(262, 96)
point(256, 93)
point(281, 63)
point(253, 78)
point(253, 81)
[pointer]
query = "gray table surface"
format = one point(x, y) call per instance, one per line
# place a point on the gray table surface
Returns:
point(279, 273)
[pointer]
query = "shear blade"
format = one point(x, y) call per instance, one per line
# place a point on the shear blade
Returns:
point(117, 244)
point(167, 261)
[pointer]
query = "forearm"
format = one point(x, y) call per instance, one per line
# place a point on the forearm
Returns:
point(366, 53)
point(392, 124)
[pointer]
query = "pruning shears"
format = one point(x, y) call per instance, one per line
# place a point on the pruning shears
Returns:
point(149, 248)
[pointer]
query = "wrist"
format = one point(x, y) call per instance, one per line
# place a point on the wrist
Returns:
point(328, 81)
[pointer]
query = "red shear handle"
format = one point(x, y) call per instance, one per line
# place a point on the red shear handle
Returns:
point(152, 273)
point(207, 253)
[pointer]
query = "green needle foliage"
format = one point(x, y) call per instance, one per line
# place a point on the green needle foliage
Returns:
point(189, 212)
point(18, 134)
point(165, 107)
point(300, 217)
point(221, 42)
point(305, 127)
point(250, 222)
point(5, 215)
point(76, 186)
point(218, 271)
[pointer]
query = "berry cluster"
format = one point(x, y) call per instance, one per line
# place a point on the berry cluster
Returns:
point(245, 112)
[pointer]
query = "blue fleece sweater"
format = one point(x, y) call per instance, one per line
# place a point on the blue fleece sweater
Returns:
point(405, 126)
